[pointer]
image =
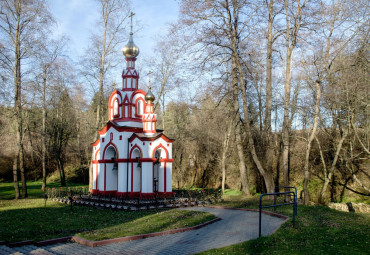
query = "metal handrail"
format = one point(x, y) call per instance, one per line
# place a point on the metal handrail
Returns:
point(295, 195)
point(294, 203)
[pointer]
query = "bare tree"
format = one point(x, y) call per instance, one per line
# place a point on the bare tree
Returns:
point(335, 17)
point(20, 22)
point(293, 18)
point(47, 53)
point(233, 12)
point(62, 120)
point(165, 64)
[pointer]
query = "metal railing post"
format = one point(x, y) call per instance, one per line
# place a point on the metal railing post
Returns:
point(260, 217)
point(295, 196)
point(276, 205)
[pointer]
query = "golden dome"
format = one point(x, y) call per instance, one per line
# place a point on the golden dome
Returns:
point(149, 97)
point(130, 50)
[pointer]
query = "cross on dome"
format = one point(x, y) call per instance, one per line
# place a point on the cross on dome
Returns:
point(149, 73)
point(131, 15)
point(130, 50)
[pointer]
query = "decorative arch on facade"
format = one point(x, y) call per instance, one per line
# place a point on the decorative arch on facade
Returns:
point(138, 91)
point(136, 173)
point(115, 103)
point(139, 94)
point(138, 148)
point(110, 168)
point(110, 144)
point(140, 106)
point(159, 168)
point(156, 148)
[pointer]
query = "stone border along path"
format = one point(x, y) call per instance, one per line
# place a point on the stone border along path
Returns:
point(236, 226)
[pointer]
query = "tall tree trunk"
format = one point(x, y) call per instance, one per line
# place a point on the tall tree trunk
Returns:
point(43, 155)
point(306, 171)
point(286, 121)
point(225, 146)
point(332, 168)
point(268, 108)
point(238, 132)
point(291, 41)
point(270, 154)
point(268, 178)
point(23, 173)
point(61, 171)
point(18, 103)
point(237, 66)
point(15, 176)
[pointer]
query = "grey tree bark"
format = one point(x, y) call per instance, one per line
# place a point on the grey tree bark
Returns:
point(225, 146)
point(238, 132)
point(292, 29)
point(233, 20)
point(306, 171)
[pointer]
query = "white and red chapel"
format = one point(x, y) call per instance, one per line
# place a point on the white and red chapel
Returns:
point(132, 158)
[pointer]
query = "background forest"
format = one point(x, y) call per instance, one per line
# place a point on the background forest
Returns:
point(256, 94)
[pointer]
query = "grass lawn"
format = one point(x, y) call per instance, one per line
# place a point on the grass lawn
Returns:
point(29, 219)
point(33, 189)
point(159, 221)
point(319, 230)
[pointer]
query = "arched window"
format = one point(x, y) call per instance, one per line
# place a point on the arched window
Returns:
point(139, 107)
point(115, 108)
point(136, 171)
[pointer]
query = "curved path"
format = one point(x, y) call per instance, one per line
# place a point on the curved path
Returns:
point(236, 226)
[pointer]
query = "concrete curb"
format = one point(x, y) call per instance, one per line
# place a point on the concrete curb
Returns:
point(54, 241)
point(20, 243)
point(131, 238)
point(250, 210)
point(41, 243)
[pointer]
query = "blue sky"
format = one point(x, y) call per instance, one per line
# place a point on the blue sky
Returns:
point(76, 19)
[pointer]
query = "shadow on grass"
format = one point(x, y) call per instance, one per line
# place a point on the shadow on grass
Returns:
point(29, 220)
point(57, 220)
point(158, 222)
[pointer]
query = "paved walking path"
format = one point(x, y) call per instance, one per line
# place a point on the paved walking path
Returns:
point(236, 226)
